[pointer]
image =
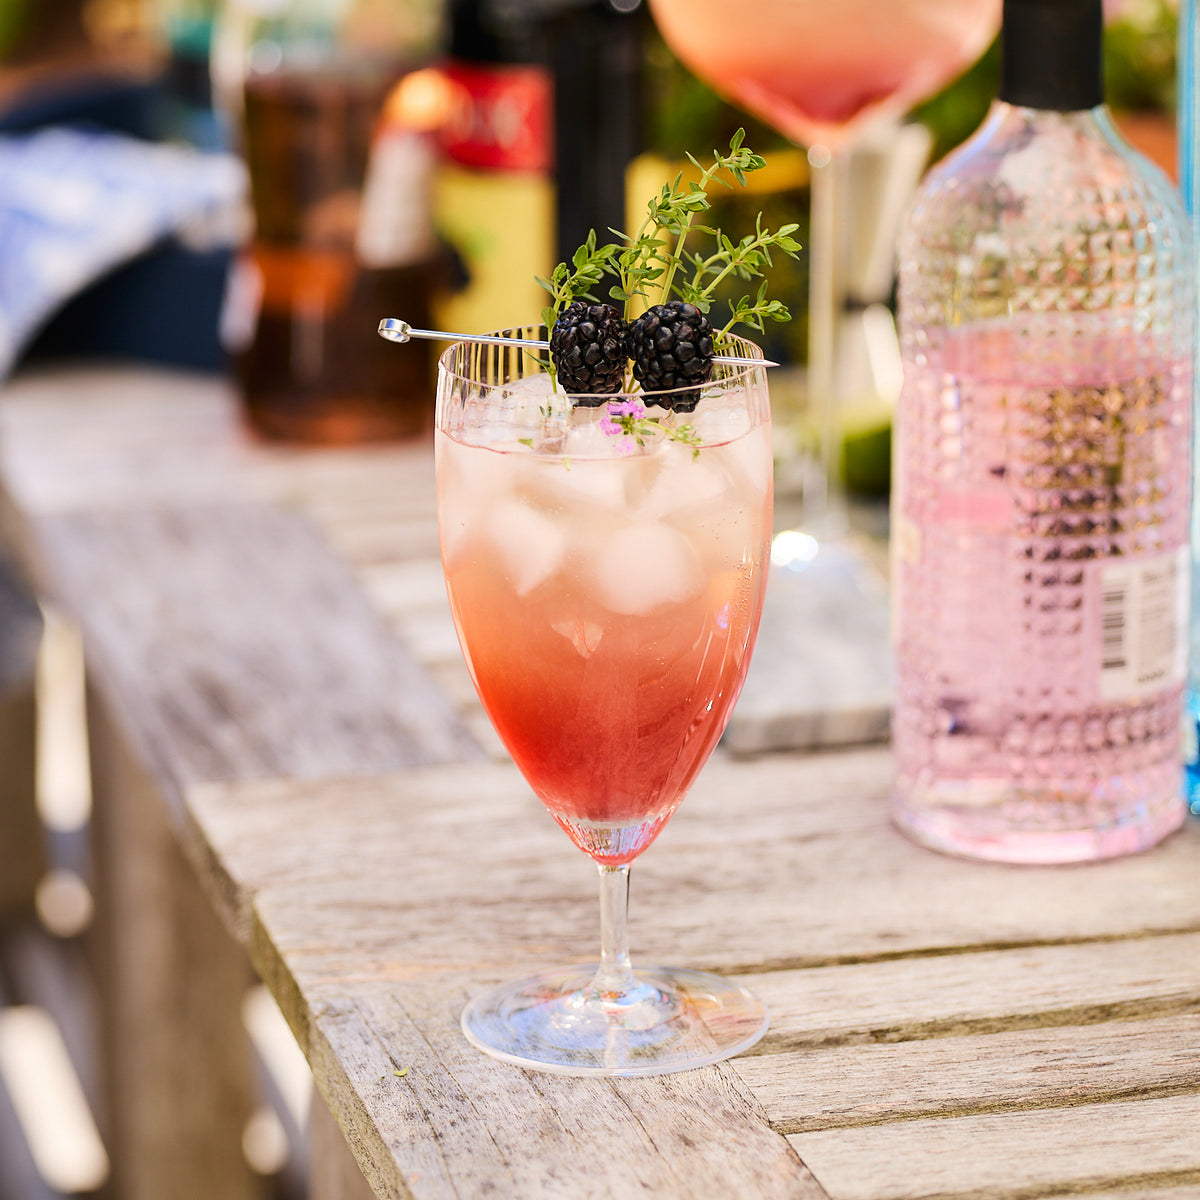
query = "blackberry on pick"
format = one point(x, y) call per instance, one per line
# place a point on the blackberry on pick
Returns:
point(587, 345)
point(671, 346)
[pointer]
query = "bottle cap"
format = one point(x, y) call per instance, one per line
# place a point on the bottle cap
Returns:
point(1050, 54)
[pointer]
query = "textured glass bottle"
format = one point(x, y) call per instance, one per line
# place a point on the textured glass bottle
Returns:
point(1043, 474)
point(1189, 180)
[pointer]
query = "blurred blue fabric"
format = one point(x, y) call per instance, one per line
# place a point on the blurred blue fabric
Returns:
point(111, 244)
point(74, 205)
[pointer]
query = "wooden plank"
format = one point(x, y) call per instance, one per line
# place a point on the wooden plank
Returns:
point(1002, 1072)
point(175, 1055)
point(22, 852)
point(333, 1173)
point(255, 653)
point(822, 672)
point(115, 437)
point(458, 1123)
point(804, 872)
point(511, 895)
point(407, 586)
point(79, 438)
point(945, 994)
point(1122, 1145)
point(22, 848)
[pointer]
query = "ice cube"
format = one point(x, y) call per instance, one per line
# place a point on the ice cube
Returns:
point(501, 415)
point(684, 480)
point(588, 438)
point(596, 483)
point(583, 635)
point(751, 459)
point(471, 481)
point(716, 424)
point(454, 524)
point(642, 567)
point(531, 546)
point(529, 394)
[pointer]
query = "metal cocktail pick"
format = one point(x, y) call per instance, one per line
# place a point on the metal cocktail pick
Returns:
point(396, 330)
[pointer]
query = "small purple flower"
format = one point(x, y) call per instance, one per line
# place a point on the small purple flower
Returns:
point(624, 420)
point(627, 408)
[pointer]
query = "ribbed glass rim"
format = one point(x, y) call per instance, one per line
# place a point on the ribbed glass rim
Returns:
point(504, 362)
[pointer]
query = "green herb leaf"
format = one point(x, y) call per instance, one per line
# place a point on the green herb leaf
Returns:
point(659, 260)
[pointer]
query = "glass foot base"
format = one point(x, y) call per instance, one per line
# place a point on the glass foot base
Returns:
point(674, 1019)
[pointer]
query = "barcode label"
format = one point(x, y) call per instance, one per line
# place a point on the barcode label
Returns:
point(1115, 624)
point(1143, 625)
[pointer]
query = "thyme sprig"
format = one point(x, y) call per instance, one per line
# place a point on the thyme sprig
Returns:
point(658, 262)
point(627, 419)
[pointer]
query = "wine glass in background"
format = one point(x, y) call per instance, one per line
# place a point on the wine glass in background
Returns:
point(825, 73)
point(606, 577)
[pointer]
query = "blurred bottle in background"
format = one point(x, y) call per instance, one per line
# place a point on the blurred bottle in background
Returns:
point(596, 63)
point(321, 98)
point(495, 191)
point(187, 28)
point(543, 120)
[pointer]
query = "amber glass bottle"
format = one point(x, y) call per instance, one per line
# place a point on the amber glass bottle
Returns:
point(342, 226)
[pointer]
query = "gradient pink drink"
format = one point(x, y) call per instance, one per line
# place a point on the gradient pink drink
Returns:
point(607, 609)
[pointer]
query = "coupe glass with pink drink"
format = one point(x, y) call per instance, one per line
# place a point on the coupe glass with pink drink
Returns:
point(606, 576)
point(821, 72)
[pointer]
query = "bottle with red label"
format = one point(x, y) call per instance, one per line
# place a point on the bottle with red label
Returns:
point(494, 195)
point(542, 121)
point(340, 179)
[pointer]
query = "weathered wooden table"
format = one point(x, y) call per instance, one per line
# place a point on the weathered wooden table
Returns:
point(283, 734)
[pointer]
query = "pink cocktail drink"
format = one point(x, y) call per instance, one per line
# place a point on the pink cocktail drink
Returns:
point(818, 70)
point(607, 596)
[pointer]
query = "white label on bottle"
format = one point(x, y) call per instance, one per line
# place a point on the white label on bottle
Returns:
point(1143, 625)
point(395, 225)
point(240, 305)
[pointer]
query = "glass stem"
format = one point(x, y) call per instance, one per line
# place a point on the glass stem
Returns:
point(824, 503)
point(615, 975)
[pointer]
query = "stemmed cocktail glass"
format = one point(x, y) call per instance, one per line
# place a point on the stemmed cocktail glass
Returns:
point(822, 72)
point(604, 559)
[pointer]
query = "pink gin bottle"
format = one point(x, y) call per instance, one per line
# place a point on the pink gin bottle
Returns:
point(1041, 506)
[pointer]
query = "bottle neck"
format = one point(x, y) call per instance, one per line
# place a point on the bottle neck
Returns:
point(484, 32)
point(1051, 54)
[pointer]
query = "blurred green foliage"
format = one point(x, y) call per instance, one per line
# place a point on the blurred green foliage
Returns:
point(685, 116)
point(1140, 48)
point(12, 18)
point(957, 110)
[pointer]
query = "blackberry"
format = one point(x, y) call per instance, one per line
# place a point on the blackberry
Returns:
point(671, 346)
point(587, 345)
